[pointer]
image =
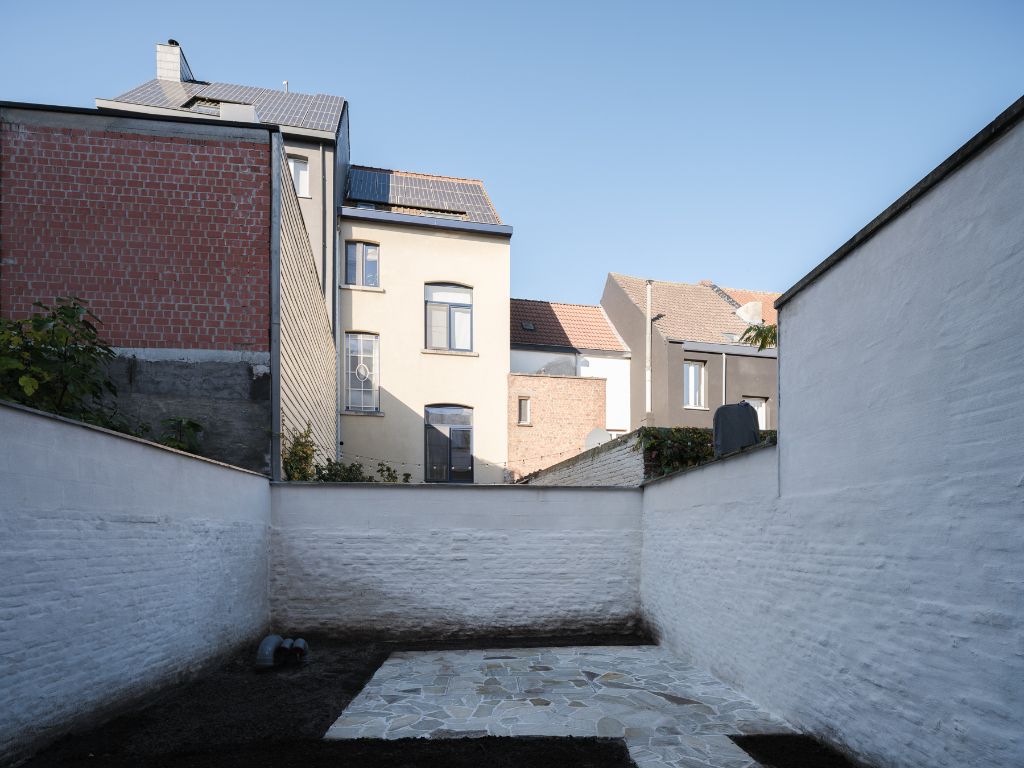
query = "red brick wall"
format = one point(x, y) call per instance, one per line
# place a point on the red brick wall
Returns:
point(563, 411)
point(167, 238)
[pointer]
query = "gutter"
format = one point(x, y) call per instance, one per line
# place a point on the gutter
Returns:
point(743, 350)
point(451, 225)
point(276, 151)
point(985, 137)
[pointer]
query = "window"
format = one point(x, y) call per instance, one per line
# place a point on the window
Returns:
point(760, 405)
point(362, 361)
point(449, 444)
point(693, 384)
point(362, 264)
point(524, 410)
point(299, 166)
point(449, 313)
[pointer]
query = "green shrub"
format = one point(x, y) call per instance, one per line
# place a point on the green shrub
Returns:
point(181, 433)
point(298, 454)
point(56, 361)
point(668, 449)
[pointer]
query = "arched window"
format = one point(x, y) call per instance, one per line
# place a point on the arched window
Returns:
point(449, 316)
point(449, 444)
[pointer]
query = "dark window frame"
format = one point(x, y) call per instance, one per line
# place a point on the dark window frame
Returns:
point(452, 308)
point(440, 430)
point(359, 279)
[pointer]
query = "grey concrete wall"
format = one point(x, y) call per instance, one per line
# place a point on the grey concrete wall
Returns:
point(876, 595)
point(124, 566)
point(228, 393)
point(308, 353)
point(423, 560)
point(616, 463)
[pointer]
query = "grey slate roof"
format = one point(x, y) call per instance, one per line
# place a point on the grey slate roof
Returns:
point(318, 112)
point(421, 194)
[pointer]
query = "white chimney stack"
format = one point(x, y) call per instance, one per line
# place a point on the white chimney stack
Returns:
point(171, 63)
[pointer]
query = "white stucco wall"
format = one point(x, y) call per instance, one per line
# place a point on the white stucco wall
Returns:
point(430, 560)
point(878, 600)
point(411, 377)
point(123, 566)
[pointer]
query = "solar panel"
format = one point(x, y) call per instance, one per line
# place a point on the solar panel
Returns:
point(455, 196)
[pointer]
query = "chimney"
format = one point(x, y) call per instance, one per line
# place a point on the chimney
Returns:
point(171, 63)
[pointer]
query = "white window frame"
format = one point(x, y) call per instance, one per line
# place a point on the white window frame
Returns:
point(519, 411)
point(702, 385)
point(360, 247)
point(373, 378)
point(300, 182)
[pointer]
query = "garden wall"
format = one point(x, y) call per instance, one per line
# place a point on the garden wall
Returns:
point(615, 463)
point(878, 600)
point(123, 567)
point(394, 560)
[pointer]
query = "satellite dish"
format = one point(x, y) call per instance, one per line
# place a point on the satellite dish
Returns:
point(596, 437)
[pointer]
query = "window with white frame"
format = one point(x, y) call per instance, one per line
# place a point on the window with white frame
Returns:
point(362, 264)
point(449, 317)
point(299, 166)
point(694, 384)
point(362, 361)
point(524, 410)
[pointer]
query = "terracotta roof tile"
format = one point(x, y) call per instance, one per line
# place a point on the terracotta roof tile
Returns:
point(687, 312)
point(767, 298)
point(581, 326)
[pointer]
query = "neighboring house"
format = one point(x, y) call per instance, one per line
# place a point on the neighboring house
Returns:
point(314, 128)
point(423, 306)
point(568, 389)
point(696, 360)
point(184, 235)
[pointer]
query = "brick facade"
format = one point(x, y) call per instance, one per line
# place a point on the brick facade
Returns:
point(563, 411)
point(166, 236)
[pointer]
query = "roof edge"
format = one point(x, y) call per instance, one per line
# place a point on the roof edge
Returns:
point(1006, 120)
point(133, 115)
point(454, 225)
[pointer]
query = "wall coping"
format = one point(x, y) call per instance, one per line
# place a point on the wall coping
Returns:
point(120, 435)
point(460, 487)
point(710, 462)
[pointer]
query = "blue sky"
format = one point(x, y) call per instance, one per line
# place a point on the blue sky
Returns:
point(736, 141)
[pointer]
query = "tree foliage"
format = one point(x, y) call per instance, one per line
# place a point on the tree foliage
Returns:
point(764, 335)
point(56, 361)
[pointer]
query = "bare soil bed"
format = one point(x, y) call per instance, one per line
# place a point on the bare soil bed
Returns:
point(235, 716)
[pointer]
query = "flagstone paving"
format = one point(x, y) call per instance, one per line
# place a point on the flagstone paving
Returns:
point(670, 712)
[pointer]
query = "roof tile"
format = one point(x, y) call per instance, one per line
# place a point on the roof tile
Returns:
point(581, 326)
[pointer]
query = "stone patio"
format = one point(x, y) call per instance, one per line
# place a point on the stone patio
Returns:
point(670, 712)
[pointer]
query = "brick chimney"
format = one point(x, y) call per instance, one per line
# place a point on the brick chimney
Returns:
point(171, 63)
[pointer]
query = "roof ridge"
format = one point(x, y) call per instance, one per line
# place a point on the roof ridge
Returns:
point(415, 173)
point(560, 303)
point(721, 292)
point(653, 280)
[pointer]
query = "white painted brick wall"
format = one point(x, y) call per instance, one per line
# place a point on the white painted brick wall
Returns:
point(122, 567)
point(613, 464)
point(428, 560)
point(879, 600)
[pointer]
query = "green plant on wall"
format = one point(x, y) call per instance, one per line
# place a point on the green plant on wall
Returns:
point(56, 361)
point(298, 454)
point(298, 459)
point(181, 433)
point(669, 449)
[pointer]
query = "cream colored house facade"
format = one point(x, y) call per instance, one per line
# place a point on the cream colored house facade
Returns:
point(423, 307)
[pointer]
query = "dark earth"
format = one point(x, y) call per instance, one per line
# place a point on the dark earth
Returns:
point(236, 717)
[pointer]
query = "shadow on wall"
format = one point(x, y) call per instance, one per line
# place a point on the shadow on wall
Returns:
point(230, 398)
point(399, 439)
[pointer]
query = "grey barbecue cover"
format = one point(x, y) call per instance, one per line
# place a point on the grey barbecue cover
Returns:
point(735, 428)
